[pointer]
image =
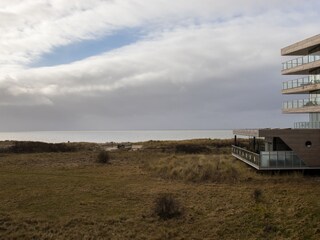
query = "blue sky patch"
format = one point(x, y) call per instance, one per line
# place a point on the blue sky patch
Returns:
point(88, 48)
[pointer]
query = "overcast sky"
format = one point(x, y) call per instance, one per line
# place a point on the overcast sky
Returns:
point(147, 64)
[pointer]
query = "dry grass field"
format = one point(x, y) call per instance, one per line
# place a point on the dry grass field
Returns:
point(68, 195)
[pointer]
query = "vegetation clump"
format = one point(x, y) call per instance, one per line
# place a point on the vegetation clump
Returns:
point(103, 157)
point(191, 148)
point(196, 169)
point(38, 147)
point(167, 207)
point(257, 195)
point(194, 146)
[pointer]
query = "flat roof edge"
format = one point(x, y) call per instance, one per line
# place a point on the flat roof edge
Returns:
point(247, 132)
point(301, 47)
point(264, 132)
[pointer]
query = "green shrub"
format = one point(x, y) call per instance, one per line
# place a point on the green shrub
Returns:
point(167, 207)
point(103, 157)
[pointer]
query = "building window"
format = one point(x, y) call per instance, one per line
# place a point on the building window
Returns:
point(308, 144)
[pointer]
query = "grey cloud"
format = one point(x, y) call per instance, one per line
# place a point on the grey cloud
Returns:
point(213, 74)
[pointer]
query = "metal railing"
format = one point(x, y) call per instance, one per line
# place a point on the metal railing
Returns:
point(300, 61)
point(301, 82)
point(270, 160)
point(301, 103)
point(252, 157)
point(312, 125)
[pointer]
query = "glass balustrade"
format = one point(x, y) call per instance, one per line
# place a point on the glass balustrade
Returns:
point(269, 160)
point(280, 159)
point(300, 82)
point(301, 103)
point(300, 61)
point(313, 125)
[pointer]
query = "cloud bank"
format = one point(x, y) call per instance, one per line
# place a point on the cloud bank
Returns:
point(197, 65)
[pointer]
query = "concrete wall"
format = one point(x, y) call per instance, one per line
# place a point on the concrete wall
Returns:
point(296, 139)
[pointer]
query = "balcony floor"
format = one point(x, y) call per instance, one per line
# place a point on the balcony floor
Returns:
point(259, 162)
point(303, 69)
point(311, 109)
point(302, 89)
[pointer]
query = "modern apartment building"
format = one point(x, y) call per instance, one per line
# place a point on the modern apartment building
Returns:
point(298, 147)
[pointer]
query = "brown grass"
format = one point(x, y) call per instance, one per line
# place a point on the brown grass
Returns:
point(70, 196)
point(198, 168)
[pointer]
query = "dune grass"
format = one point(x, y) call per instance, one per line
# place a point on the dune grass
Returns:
point(198, 168)
point(71, 196)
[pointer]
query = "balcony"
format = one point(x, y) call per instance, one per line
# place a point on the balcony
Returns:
point(251, 158)
point(302, 85)
point(302, 106)
point(307, 125)
point(275, 160)
point(301, 65)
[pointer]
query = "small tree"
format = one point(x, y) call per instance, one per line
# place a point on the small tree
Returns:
point(103, 157)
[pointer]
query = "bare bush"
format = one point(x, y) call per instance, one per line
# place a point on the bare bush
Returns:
point(167, 207)
point(257, 195)
point(103, 157)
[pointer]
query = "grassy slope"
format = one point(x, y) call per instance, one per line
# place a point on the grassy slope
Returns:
point(68, 196)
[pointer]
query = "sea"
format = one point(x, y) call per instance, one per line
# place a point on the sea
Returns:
point(114, 136)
